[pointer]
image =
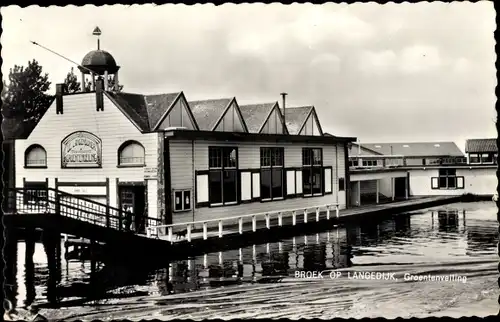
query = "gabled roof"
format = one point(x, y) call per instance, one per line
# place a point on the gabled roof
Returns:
point(354, 150)
point(255, 115)
point(481, 145)
point(208, 112)
point(158, 106)
point(416, 149)
point(133, 106)
point(295, 118)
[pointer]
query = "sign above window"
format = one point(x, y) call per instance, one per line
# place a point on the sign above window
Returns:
point(81, 150)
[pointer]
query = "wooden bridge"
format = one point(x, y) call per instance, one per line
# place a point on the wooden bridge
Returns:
point(54, 210)
point(57, 211)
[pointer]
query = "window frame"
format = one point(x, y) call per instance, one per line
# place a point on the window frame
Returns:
point(34, 166)
point(221, 170)
point(183, 194)
point(312, 167)
point(35, 186)
point(125, 144)
point(271, 167)
point(341, 184)
point(447, 174)
point(476, 156)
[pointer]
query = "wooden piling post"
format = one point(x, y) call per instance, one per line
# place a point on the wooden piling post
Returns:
point(220, 228)
point(280, 219)
point(188, 233)
point(254, 223)
point(328, 212)
point(317, 214)
point(240, 225)
point(268, 224)
point(205, 234)
point(294, 218)
point(305, 216)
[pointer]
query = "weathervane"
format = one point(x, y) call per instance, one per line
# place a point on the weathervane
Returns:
point(97, 32)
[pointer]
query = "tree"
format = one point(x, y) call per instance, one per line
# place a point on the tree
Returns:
point(72, 83)
point(24, 97)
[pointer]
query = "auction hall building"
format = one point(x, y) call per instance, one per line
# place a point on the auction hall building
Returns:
point(178, 160)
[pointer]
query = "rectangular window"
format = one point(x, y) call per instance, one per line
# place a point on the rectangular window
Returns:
point(36, 193)
point(474, 158)
point(341, 184)
point(182, 200)
point(369, 163)
point(271, 173)
point(486, 158)
point(223, 169)
point(353, 163)
point(312, 174)
point(447, 179)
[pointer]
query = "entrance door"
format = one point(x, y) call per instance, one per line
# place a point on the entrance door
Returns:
point(400, 188)
point(134, 199)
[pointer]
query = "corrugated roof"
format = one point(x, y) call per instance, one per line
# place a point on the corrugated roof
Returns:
point(416, 149)
point(157, 105)
point(354, 150)
point(295, 118)
point(208, 112)
point(255, 115)
point(134, 107)
point(481, 145)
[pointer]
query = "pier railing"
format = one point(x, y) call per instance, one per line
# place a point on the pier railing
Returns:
point(51, 201)
point(187, 228)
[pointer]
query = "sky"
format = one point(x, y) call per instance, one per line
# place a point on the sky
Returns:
point(382, 73)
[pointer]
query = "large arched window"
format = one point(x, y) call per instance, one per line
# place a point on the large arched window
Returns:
point(35, 157)
point(131, 153)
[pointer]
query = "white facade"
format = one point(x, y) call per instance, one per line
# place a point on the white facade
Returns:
point(111, 126)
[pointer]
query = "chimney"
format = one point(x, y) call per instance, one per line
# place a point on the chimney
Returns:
point(99, 93)
point(359, 147)
point(59, 98)
point(283, 95)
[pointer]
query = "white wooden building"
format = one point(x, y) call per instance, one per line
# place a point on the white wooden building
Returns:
point(177, 160)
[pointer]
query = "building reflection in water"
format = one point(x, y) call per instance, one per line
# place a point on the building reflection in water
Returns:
point(448, 221)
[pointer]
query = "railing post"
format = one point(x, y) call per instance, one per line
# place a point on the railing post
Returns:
point(337, 211)
point(107, 216)
point(220, 228)
point(268, 224)
point(170, 233)
point(240, 225)
point(205, 231)
point(254, 223)
point(188, 233)
point(280, 219)
point(328, 212)
point(120, 220)
point(57, 210)
point(305, 216)
point(294, 218)
point(317, 214)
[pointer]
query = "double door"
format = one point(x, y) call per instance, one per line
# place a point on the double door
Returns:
point(132, 199)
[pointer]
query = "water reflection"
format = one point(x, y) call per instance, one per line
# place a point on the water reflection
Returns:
point(412, 237)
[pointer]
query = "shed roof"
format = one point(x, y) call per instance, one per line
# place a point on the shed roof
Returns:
point(416, 149)
point(481, 145)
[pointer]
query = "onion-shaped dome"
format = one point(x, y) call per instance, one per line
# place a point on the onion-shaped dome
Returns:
point(99, 61)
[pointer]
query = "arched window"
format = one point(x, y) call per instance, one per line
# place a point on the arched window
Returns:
point(35, 156)
point(131, 153)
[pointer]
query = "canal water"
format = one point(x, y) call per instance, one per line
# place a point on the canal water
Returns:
point(454, 247)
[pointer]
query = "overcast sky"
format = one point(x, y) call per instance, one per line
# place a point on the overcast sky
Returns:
point(382, 73)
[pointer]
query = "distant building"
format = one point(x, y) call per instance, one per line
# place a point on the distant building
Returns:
point(481, 151)
point(421, 153)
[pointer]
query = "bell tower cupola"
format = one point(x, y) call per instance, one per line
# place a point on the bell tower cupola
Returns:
point(99, 64)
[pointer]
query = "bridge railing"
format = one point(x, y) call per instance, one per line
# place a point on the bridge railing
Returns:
point(56, 202)
point(186, 228)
